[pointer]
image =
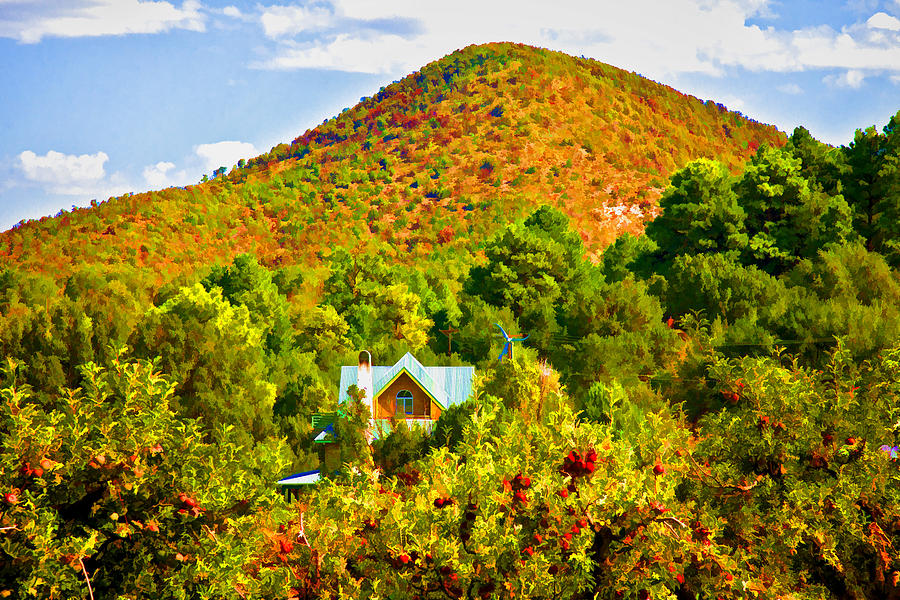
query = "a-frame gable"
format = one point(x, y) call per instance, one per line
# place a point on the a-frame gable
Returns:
point(409, 365)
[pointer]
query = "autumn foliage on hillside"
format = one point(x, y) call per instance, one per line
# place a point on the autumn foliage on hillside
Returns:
point(439, 159)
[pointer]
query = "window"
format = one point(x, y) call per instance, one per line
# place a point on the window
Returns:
point(404, 402)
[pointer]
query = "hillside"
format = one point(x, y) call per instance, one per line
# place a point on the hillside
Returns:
point(437, 160)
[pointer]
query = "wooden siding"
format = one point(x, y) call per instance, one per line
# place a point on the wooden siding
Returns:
point(423, 407)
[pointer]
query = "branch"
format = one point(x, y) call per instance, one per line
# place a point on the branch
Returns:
point(86, 578)
point(724, 486)
point(302, 535)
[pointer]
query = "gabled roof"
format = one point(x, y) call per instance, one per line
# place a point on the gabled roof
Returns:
point(326, 436)
point(414, 369)
point(446, 385)
point(305, 478)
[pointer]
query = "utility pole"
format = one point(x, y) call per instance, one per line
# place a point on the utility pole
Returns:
point(449, 333)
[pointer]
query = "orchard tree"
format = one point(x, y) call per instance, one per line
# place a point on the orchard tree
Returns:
point(107, 493)
point(526, 508)
point(796, 471)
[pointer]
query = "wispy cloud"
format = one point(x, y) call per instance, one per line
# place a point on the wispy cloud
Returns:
point(849, 79)
point(790, 88)
point(279, 21)
point(30, 22)
point(654, 38)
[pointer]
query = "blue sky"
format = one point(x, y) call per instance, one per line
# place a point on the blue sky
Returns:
point(103, 97)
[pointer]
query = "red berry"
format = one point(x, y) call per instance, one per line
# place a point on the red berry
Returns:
point(851, 440)
point(528, 550)
point(286, 546)
point(564, 544)
point(521, 497)
point(658, 469)
point(11, 498)
point(680, 578)
point(583, 523)
point(404, 558)
point(526, 482)
point(538, 538)
point(439, 503)
point(563, 493)
point(39, 472)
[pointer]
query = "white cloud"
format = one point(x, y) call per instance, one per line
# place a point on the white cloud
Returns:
point(279, 21)
point(63, 173)
point(162, 175)
point(882, 20)
point(849, 79)
point(895, 79)
point(224, 154)
point(232, 11)
point(790, 88)
point(81, 18)
point(81, 175)
point(658, 39)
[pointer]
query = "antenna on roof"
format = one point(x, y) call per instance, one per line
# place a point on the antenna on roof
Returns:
point(508, 348)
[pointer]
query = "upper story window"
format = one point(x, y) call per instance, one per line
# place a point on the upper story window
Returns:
point(405, 402)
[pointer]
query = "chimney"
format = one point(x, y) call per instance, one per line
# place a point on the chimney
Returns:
point(364, 379)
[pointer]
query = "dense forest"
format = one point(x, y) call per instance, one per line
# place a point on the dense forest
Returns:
point(707, 405)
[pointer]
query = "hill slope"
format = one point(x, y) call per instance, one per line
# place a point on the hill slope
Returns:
point(437, 160)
